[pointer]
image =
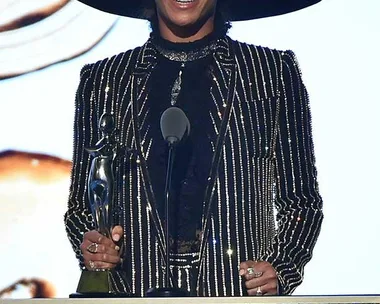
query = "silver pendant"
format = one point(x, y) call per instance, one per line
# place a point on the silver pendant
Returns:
point(176, 89)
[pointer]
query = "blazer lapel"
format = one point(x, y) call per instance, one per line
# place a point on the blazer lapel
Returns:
point(222, 69)
point(146, 61)
point(145, 64)
point(224, 88)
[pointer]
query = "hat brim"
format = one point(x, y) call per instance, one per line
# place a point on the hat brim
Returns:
point(238, 10)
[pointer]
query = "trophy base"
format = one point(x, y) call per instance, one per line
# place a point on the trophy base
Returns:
point(99, 295)
point(167, 293)
point(96, 284)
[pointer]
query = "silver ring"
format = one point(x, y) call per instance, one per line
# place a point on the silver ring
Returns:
point(250, 270)
point(259, 292)
point(92, 265)
point(258, 274)
point(93, 247)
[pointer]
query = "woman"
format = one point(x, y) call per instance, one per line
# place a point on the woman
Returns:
point(250, 148)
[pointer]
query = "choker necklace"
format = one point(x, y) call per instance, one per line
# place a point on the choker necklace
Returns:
point(185, 56)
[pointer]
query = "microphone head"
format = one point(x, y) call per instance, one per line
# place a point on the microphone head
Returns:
point(174, 125)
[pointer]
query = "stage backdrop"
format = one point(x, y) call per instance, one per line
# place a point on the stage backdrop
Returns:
point(44, 44)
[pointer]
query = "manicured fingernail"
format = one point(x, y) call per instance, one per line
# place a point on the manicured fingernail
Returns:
point(241, 272)
point(117, 248)
point(116, 237)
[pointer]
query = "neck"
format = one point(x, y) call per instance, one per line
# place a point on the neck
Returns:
point(176, 33)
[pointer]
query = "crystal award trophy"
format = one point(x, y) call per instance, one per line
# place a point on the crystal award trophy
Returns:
point(101, 185)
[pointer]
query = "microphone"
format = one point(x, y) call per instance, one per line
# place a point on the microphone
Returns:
point(174, 125)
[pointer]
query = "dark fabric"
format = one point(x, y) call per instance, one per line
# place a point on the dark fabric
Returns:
point(193, 155)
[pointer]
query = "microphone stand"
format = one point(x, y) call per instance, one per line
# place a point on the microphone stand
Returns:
point(168, 184)
point(168, 291)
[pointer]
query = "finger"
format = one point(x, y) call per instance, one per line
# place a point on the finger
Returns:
point(94, 236)
point(259, 269)
point(270, 288)
point(257, 274)
point(101, 257)
point(99, 248)
point(255, 291)
point(244, 266)
point(263, 266)
point(94, 265)
point(267, 289)
point(98, 238)
point(259, 266)
point(252, 271)
point(256, 282)
point(87, 245)
point(266, 277)
point(253, 274)
point(117, 233)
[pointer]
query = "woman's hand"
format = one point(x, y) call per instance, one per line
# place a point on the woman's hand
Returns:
point(260, 278)
point(100, 252)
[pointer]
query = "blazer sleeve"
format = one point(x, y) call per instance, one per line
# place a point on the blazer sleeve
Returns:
point(298, 202)
point(78, 218)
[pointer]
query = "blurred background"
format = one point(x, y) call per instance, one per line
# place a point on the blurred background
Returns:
point(44, 44)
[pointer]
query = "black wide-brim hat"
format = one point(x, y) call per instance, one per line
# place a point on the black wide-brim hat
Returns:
point(238, 10)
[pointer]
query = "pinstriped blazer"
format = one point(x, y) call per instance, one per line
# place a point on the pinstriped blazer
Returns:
point(263, 194)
